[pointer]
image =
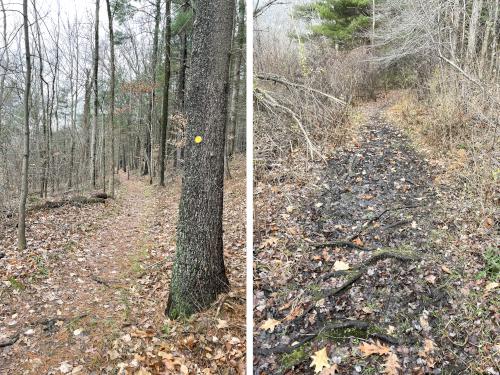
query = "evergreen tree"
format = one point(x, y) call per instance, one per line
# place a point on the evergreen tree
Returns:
point(342, 21)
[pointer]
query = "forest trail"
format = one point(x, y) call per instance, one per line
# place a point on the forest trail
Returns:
point(82, 305)
point(88, 295)
point(362, 256)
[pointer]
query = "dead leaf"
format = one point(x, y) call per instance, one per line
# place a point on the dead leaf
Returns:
point(269, 242)
point(357, 241)
point(270, 324)
point(431, 279)
point(332, 370)
point(368, 349)
point(340, 266)
point(392, 366)
point(221, 324)
point(424, 323)
point(491, 286)
point(320, 360)
point(294, 313)
point(488, 222)
point(446, 269)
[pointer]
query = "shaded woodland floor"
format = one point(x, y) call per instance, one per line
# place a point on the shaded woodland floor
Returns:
point(371, 257)
point(88, 296)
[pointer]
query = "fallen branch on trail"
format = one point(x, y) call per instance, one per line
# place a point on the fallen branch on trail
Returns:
point(284, 81)
point(269, 101)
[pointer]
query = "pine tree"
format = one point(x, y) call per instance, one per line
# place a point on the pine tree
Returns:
point(342, 21)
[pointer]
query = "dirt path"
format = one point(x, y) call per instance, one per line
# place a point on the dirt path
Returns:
point(67, 320)
point(373, 208)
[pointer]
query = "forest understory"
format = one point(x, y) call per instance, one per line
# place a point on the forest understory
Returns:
point(373, 261)
point(89, 295)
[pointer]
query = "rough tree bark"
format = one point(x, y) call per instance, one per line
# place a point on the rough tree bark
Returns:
point(237, 54)
point(112, 102)
point(166, 87)
point(154, 60)
point(199, 273)
point(93, 147)
point(21, 227)
point(181, 79)
point(477, 6)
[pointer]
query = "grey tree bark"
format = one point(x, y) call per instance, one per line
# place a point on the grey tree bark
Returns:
point(21, 227)
point(93, 140)
point(199, 274)
point(112, 89)
point(166, 87)
point(477, 6)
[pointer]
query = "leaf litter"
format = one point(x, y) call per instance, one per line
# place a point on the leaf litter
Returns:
point(376, 207)
point(88, 296)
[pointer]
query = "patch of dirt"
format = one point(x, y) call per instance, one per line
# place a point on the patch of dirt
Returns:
point(375, 209)
point(88, 296)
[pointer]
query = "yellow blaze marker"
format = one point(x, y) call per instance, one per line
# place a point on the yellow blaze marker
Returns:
point(197, 139)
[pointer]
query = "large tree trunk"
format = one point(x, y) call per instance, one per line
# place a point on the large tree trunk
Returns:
point(21, 227)
point(93, 148)
point(199, 273)
point(166, 87)
point(112, 104)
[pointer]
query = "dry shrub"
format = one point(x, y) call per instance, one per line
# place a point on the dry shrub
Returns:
point(458, 125)
point(297, 118)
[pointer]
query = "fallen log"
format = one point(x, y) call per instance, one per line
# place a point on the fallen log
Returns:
point(78, 201)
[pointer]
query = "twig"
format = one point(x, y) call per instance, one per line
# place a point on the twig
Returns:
point(10, 341)
point(284, 81)
point(379, 216)
point(270, 101)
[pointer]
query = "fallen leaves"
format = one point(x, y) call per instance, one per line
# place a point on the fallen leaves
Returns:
point(391, 365)
point(320, 361)
point(269, 242)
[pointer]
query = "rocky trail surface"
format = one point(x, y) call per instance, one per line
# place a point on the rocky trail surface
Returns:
point(352, 271)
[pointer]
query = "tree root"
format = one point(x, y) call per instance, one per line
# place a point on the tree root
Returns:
point(357, 273)
point(327, 326)
point(347, 244)
point(379, 216)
